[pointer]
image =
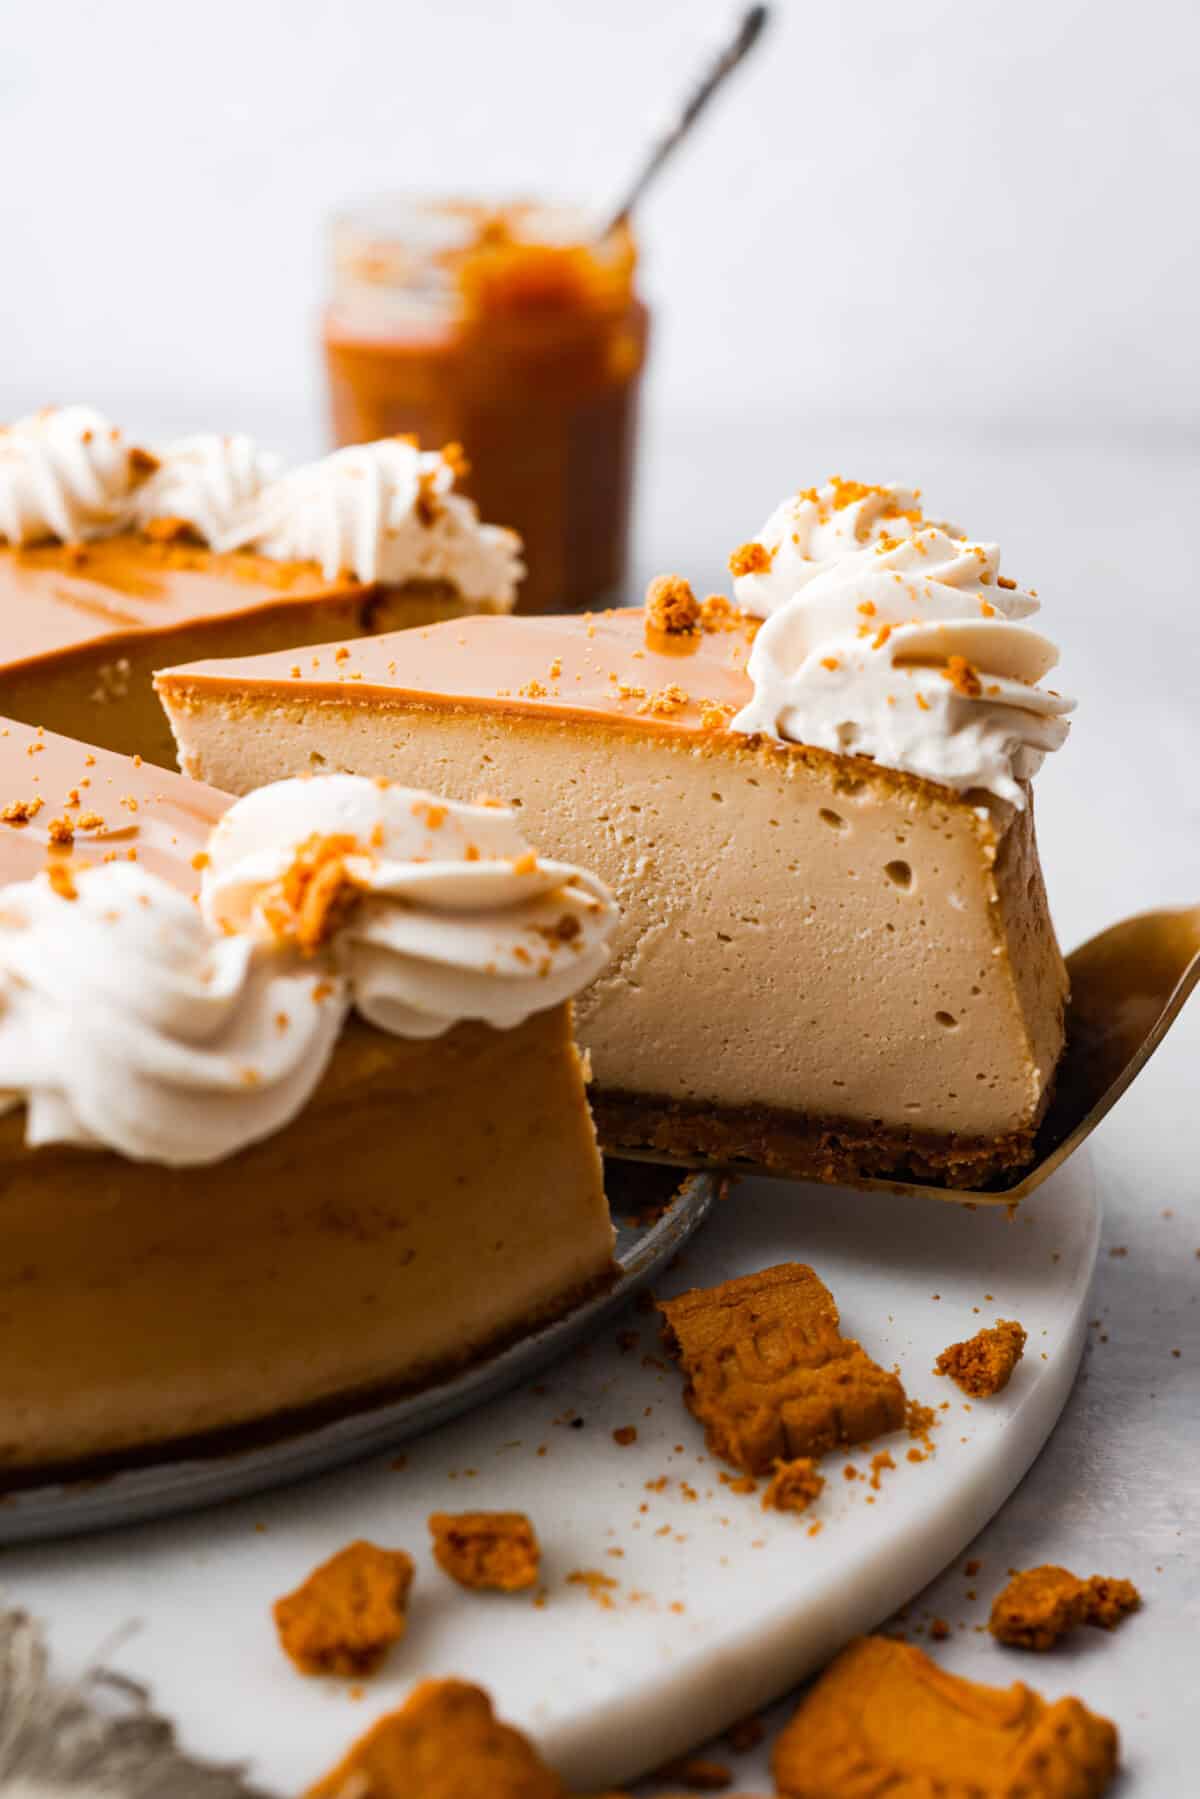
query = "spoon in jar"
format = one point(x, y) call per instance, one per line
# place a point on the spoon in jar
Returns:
point(731, 52)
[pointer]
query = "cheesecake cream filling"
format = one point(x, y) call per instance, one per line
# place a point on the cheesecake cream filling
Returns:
point(892, 637)
point(131, 1020)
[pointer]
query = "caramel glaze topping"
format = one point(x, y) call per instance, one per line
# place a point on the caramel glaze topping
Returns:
point(62, 803)
point(602, 665)
point(59, 597)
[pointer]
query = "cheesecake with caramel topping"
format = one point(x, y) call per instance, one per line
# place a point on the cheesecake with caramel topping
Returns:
point(835, 957)
point(115, 559)
point(320, 1137)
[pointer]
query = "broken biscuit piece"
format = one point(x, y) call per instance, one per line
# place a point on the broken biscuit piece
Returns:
point(983, 1365)
point(769, 1374)
point(884, 1718)
point(445, 1742)
point(1040, 1605)
point(1110, 1600)
point(349, 1611)
point(494, 1550)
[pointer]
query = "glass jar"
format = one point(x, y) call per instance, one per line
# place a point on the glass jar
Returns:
point(507, 330)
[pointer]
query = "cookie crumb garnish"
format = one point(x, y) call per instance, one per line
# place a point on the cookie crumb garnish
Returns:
point(312, 898)
point(1040, 1605)
point(983, 1364)
point(751, 559)
point(428, 505)
point(963, 677)
point(671, 605)
point(599, 1586)
point(793, 1486)
point(19, 812)
point(715, 715)
point(141, 466)
point(455, 459)
point(665, 701)
point(486, 1550)
point(348, 1613)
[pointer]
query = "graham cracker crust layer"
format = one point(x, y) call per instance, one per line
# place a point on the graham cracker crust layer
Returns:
point(799, 1147)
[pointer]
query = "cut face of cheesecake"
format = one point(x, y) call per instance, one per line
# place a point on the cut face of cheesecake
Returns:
point(435, 1196)
point(823, 966)
point(114, 560)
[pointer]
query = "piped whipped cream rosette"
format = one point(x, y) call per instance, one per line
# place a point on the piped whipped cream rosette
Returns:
point(819, 527)
point(205, 483)
point(908, 648)
point(431, 912)
point(381, 512)
point(134, 1020)
point(127, 1024)
point(387, 512)
point(66, 473)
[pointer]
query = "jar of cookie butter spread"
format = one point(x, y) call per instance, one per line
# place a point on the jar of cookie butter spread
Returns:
point(508, 330)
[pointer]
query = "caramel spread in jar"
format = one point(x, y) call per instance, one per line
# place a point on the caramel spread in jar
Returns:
point(507, 330)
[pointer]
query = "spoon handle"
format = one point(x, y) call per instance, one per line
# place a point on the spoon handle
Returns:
point(749, 29)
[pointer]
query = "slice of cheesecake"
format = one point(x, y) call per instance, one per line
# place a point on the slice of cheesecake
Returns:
point(824, 966)
point(188, 1254)
point(114, 559)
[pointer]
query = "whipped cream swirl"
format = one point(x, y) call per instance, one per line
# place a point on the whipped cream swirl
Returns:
point(206, 482)
point(810, 531)
point(132, 1019)
point(125, 1023)
point(384, 512)
point(66, 473)
point(431, 912)
point(905, 644)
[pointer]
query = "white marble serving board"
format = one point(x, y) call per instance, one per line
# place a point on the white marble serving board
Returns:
point(718, 1606)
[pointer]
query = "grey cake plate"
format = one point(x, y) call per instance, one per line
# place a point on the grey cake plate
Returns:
point(654, 1213)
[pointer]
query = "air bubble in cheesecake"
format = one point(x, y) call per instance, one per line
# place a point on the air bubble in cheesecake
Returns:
point(899, 873)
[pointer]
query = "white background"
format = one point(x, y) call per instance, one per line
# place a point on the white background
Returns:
point(979, 210)
point(955, 243)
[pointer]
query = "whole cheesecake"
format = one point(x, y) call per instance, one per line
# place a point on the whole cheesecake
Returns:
point(115, 558)
point(831, 964)
point(226, 1199)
